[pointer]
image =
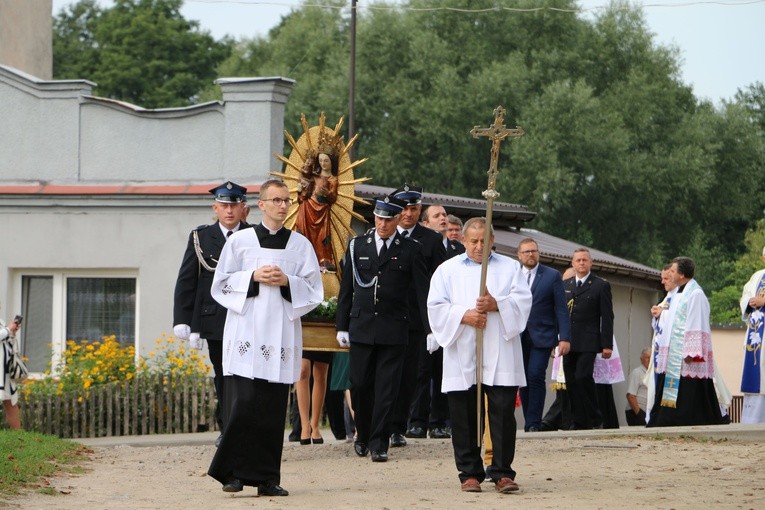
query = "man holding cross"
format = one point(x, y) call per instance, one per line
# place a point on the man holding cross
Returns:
point(457, 312)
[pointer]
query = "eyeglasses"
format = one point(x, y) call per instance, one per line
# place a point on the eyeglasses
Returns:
point(278, 201)
point(529, 252)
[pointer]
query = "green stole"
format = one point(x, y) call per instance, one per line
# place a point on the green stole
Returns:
point(676, 340)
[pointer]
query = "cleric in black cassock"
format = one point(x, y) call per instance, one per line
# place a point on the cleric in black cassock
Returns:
point(267, 278)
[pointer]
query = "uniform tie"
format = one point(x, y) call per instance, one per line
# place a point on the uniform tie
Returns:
point(579, 283)
point(384, 247)
point(405, 233)
point(228, 234)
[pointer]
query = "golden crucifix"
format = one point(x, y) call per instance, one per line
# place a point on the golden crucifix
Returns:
point(496, 133)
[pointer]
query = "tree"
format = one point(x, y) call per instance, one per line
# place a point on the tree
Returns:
point(618, 153)
point(725, 302)
point(141, 51)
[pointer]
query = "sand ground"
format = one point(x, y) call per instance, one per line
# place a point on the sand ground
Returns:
point(555, 471)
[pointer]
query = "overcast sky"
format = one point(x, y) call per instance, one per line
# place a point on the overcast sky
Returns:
point(721, 42)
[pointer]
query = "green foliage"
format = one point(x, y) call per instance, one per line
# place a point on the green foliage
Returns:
point(326, 311)
point(725, 301)
point(141, 51)
point(29, 456)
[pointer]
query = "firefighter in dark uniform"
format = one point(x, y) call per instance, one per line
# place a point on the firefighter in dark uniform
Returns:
point(373, 317)
point(196, 315)
point(434, 253)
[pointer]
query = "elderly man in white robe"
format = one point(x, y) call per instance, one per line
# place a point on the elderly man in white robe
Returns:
point(456, 312)
point(267, 278)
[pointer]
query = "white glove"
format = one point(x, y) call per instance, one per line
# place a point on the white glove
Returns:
point(181, 331)
point(431, 343)
point(343, 339)
point(195, 342)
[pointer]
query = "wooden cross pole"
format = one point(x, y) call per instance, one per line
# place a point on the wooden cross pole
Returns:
point(496, 133)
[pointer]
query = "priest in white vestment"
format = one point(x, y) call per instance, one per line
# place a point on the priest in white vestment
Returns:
point(456, 312)
point(267, 278)
point(753, 374)
point(684, 361)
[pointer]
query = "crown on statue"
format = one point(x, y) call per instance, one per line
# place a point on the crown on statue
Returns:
point(330, 140)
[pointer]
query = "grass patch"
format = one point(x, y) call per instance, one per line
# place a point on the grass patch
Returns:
point(27, 457)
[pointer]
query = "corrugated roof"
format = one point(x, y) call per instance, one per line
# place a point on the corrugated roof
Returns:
point(508, 219)
point(557, 251)
point(504, 213)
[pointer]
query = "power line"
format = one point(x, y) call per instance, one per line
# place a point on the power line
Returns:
point(732, 3)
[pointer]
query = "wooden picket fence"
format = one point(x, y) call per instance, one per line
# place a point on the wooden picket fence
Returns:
point(149, 404)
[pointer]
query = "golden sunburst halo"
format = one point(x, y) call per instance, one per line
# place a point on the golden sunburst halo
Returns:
point(314, 140)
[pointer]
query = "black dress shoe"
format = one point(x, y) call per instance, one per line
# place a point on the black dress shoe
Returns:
point(360, 448)
point(233, 485)
point(271, 489)
point(416, 433)
point(379, 456)
point(439, 433)
point(397, 440)
point(533, 429)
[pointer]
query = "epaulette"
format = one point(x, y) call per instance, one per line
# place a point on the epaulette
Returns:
point(200, 227)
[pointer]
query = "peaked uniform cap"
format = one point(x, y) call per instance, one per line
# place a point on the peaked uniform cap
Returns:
point(412, 195)
point(229, 193)
point(388, 206)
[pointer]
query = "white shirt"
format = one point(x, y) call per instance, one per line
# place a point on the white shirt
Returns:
point(379, 242)
point(407, 230)
point(227, 230)
point(532, 272)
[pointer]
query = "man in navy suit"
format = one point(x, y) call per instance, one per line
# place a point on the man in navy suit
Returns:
point(592, 331)
point(548, 325)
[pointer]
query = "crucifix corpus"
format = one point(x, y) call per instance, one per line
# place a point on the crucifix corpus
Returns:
point(496, 133)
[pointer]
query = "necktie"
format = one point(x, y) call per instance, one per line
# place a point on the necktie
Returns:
point(405, 233)
point(579, 283)
point(228, 234)
point(384, 247)
point(528, 277)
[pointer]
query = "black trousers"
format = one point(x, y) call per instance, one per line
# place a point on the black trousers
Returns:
point(558, 416)
point(251, 448)
point(215, 348)
point(635, 419)
point(375, 373)
point(502, 427)
point(430, 407)
point(580, 386)
point(415, 348)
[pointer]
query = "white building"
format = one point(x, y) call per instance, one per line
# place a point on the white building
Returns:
point(98, 198)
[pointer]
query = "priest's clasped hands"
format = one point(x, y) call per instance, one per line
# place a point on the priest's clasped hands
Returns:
point(270, 275)
point(476, 317)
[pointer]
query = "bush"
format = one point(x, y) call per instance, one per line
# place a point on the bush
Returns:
point(86, 364)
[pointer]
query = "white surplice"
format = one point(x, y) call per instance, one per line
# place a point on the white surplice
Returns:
point(454, 289)
point(263, 337)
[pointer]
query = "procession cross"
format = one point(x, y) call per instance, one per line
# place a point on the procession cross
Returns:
point(496, 133)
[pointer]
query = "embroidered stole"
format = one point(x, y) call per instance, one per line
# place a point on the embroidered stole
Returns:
point(751, 380)
point(676, 340)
